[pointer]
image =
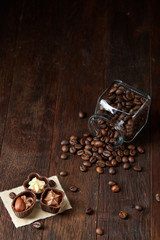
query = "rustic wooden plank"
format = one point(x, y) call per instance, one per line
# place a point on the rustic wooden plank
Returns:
point(80, 83)
point(10, 13)
point(154, 130)
point(129, 61)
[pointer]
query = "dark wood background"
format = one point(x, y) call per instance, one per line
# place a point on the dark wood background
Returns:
point(56, 58)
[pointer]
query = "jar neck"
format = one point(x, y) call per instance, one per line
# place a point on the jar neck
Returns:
point(95, 128)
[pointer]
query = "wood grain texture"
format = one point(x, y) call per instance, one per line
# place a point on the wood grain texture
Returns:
point(56, 58)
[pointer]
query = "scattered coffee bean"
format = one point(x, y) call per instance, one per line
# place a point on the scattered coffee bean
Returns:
point(131, 147)
point(72, 149)
point(65, 148)
point(111, 183)
point(78, 146)
point(126, 166)
point(80, 152)
point(83, 168)
point(87, 164)
point(85, 157)
point(137, 168)
point(73, 189)
point(89, 210)
point(124, 159)
point(132, 152)
point(52, 183)
point(37, 225)
point(112, 170)
point(157, 196)
point(115, 188)
point(99, 231)
point(114, 162)
point(12, 195)
point(99, 170)
point(123, 214)
point(131, 159)
point(138, 207)
point(64, 142)
point(64, 156)
point(108, 164)
point(140, 149)
point(63, 173)
point(81, 114)
point(100, 163)
point(93, 159)
point(73, 137)
point(87, 134)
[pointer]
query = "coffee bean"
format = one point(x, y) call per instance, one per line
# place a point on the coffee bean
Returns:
point(126, 152)
point(137, 168)
point(113, 89)
point(99, 170)
point(73, 189)
point(140, 149)
point(100, 163)
point(78, 146)
point(131, 147)
point(119, 92)
point(80, 152)
point(83, 168)
point(64, 156)
point(81, 114)
point(98, 156)
point(94, 149)
point(64, 142)
point(93, 159)
point(87, 163)
point(104, 132)
point(99, 231)
point(115, 188)
point(157, 196)
point(73, 137)
point(63, 173)
point(85, 157)
point(12, 195)
point(98, 144)
point(131, 159)
point(132, 152)
point(88, 147)
point(89, 139)
point(114, 162)
point(52, 183)
point(89, 211)
point(111, 183)
point(124, 159)
point(126, 166)
point(82, 141)
point(65, 148)
point(72, 149)
point(138, 207)
point(37, 225)
point(108, 164)
point(73, 141)
point(123, 214)
point(100, 150)
point(112, 170)
point(87, 134)
point(118, 159)
point(120, 153)
point(107, 153)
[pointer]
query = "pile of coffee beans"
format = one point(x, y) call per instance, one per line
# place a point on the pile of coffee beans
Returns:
point(96, 151)
point(124, 104)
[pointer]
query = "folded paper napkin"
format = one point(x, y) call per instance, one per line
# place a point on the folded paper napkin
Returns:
point(37, 212)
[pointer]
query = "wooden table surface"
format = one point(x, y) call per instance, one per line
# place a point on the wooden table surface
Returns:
point(56, 58)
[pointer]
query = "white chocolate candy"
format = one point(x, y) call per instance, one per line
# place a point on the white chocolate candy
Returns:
point(36, 185)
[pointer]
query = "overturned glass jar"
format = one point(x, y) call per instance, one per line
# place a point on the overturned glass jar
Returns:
point(120, 114)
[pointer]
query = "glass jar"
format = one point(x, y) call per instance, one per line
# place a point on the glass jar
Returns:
point(120, 114)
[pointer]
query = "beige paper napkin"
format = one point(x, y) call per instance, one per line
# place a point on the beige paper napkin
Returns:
point(37, 212)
